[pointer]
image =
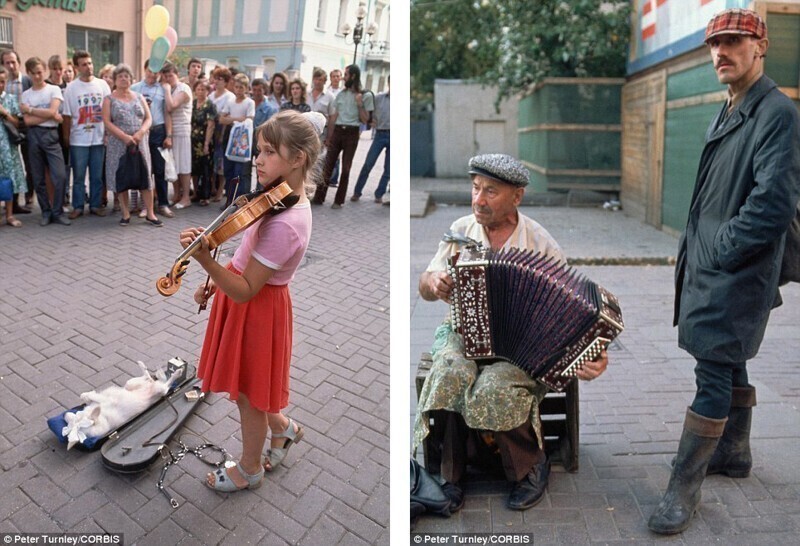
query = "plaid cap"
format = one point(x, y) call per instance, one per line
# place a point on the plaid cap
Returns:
point(736, 21)
point(500, 167)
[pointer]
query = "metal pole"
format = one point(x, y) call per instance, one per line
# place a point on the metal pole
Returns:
point(355, 53)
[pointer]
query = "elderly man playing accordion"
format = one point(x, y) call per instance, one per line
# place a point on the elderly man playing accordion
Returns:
point(468, 400)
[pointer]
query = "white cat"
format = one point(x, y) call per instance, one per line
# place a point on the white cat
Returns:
point(114, 406)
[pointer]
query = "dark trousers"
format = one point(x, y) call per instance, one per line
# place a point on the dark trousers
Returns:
point(155, 141)
point(345, 141)
point(45, 150)
point(519, 449)
point(203, 169)
point(715, 382)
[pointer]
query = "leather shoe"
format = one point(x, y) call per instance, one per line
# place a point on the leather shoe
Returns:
point(456, 496)
point(17, 209)
point(46, 219)
point(529, 491)
point(75, 214)
point(60, 219)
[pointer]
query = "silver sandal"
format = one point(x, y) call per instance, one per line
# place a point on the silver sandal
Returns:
point(276, 455)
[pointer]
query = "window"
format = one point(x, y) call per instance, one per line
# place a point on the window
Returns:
point(226, 20)
point(184, 27)
point(103, 45)
point(6, 38)
point(203, 18)
point(322, 13)
point(342, 15)
point(251, 16)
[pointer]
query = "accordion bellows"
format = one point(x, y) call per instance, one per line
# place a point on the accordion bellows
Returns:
point(532, 310)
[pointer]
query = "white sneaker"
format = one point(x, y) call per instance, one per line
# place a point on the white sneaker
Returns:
point(143, 214)
point(166, 212)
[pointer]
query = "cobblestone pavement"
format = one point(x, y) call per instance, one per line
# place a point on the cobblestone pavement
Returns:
point(631, 418)
point(79, 308)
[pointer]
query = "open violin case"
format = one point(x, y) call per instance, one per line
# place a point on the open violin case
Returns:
point(134, 446)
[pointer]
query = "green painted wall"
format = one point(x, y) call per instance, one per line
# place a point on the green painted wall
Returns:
point(590, 104)
point(782, 63)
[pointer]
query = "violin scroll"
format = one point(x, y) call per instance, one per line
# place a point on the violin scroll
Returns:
point(171, 282)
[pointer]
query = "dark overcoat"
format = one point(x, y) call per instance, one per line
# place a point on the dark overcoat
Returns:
point(729, 256)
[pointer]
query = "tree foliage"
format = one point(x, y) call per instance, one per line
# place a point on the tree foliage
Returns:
point(447, 42)
point(516, 43)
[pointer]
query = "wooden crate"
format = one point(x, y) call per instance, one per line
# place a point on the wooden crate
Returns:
point(560, 424)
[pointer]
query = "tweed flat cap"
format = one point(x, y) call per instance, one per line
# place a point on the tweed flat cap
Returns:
point(736, 21)
point(500, 167)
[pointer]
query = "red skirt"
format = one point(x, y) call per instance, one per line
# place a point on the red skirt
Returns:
point(248, 347)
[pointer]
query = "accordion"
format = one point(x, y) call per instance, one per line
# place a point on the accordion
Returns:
point(532, 310)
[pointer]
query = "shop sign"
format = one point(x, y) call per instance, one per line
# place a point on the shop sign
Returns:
point(75, 6)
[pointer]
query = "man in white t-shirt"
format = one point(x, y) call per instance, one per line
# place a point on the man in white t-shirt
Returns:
point(39, 106)
point(83, 132)
point(336, 79)
point(320, 100)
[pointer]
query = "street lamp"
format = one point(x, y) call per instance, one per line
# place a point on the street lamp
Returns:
point(358, 31)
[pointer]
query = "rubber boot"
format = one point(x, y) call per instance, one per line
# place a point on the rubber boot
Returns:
point(732, 456)
point(698, 441)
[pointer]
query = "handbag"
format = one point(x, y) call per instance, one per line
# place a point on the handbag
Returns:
point(427, 495)
point(240, 142)
point(132, 171)
point(790, 266)
point(6, 189)
point(14, 136)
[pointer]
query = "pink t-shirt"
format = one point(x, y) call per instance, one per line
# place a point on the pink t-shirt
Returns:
point(278, 242)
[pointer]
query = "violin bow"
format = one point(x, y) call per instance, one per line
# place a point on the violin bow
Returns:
point(227, 212)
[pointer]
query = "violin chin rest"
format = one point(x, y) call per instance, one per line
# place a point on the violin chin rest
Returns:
point(288, 202)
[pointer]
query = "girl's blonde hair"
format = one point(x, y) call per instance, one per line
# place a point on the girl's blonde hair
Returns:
point(294, 131)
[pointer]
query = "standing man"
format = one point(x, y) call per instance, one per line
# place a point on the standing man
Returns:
point(471, 399)
point(729, 259)
point(17, 84)
point(83, 132)
point(40, 105)
point(336, 78)
point(379, 142)
point(194, 68)
point(320, 100)
point(153, 92)
point(351, 109)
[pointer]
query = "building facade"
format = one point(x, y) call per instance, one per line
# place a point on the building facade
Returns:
point(261, 37)
point(112, 30)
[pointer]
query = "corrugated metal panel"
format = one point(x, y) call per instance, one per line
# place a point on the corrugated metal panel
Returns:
point(683, 144)
point(781, 63)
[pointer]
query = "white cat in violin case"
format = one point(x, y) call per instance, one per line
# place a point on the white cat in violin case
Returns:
point(142, 415)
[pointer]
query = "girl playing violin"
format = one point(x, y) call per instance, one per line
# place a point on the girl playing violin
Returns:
point(248, 342)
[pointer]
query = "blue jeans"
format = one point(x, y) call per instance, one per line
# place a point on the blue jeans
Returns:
point(715, 382)
point(380, 142)
point(81, 158)
point(234, 169)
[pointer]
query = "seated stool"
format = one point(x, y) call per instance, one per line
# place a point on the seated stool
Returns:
point(560, 423)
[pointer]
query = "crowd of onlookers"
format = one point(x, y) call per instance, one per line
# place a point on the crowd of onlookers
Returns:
point(74, 123)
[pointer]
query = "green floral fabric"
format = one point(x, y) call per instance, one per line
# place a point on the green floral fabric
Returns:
point(495, 397)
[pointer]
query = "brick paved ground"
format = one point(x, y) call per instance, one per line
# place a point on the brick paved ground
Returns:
point(631, 418)
point(79, 307)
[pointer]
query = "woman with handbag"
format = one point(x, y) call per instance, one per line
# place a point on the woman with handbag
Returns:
point(10, 160)
point(127, 120)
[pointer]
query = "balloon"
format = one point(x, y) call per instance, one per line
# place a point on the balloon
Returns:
point(172, 38)
point(156, 22)
point(158, 54)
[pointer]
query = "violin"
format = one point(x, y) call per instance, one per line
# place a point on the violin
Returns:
point(241, 214)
